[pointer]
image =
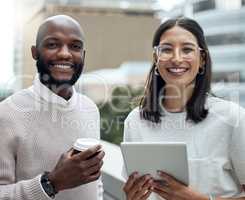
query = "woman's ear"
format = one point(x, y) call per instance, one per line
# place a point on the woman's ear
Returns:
point(154, 55)
point(202, 59)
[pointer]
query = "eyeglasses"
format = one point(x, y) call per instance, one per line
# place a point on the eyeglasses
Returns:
point(166, 52)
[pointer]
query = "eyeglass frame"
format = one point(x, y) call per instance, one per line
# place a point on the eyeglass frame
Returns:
point(155, 50)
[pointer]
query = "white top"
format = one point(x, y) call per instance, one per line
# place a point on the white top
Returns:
point(215, 146)
point(36, 127)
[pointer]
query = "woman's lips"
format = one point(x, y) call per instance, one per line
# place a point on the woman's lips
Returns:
point(177, 70)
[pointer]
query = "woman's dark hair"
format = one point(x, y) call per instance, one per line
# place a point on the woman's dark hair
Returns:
point(154, 88)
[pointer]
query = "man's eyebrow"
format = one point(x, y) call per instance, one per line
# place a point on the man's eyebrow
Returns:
point(48, 38)
point(79, 41)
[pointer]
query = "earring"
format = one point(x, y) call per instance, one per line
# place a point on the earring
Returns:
point(201, 70)
point(156, 72)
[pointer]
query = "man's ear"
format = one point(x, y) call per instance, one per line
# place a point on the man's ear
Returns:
point(34, 52)
point(83, 56)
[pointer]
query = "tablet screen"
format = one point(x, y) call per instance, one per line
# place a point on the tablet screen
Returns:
point(147, 158)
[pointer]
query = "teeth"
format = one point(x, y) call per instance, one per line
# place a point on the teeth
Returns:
point(177, 70)
point(63, 66)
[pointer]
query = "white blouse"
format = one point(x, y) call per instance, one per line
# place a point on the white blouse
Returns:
point(215, 146)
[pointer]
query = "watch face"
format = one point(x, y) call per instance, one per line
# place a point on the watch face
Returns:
point(47, 186)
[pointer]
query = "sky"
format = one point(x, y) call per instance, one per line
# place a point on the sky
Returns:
point(6, 40)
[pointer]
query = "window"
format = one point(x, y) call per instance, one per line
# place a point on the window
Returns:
point(203, 5)
point(7, 44)
point(226, 38)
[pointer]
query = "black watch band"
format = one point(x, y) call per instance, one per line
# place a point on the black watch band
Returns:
point(47, 185)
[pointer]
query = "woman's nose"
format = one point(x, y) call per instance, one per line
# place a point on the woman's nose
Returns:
point(177, 57)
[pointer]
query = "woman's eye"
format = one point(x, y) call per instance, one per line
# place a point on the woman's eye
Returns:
point(187, 50)
point(166, 50)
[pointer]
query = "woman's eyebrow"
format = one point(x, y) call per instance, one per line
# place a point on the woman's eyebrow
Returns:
point(166, 43)
point(190, 43)
point(184, 43)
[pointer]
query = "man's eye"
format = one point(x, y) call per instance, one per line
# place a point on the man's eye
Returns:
point(52, 45)
point(76, 47)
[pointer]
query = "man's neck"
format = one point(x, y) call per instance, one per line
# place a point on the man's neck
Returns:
point(65, 91)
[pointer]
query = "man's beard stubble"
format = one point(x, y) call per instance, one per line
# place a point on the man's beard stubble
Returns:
point(47, 79)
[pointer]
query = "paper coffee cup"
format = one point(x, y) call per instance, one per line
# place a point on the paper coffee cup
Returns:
point(82, 144)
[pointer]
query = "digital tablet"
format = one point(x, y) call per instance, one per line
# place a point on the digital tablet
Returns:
point(147, 158)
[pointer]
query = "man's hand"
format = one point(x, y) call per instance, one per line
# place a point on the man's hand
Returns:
point(74, 170)
point(138, 187)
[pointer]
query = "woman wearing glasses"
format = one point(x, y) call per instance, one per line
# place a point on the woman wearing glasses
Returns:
point(177, 106)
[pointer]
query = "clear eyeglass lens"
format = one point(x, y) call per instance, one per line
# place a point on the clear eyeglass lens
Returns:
point(166, 53)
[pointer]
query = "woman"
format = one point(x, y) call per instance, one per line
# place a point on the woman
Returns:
point(177, 106)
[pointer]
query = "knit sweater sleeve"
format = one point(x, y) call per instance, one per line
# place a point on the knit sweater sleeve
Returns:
point(10, 188)
point(237, 148)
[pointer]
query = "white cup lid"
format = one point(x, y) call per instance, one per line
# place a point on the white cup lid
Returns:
point(85, 143)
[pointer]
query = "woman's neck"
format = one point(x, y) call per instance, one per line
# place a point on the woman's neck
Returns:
point(177, 97)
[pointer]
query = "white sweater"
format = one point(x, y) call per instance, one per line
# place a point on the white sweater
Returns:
point(36, 127)
point(215, 146)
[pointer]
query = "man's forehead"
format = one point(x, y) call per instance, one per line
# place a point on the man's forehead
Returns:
point(56, 24)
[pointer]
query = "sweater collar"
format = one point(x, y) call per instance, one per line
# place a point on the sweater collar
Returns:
point(48, 95)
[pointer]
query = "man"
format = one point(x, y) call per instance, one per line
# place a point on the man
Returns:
point(38, 125)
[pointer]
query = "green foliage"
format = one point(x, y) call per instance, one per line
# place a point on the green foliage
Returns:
point(114, 112)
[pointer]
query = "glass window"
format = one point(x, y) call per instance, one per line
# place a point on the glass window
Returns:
point(203, 5)
point(226, 38)
point(7, 45)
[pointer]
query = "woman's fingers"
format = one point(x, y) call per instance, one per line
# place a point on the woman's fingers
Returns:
point(130, 181)
point(161, 193)
point(166, 177)
point(137, 187)
point(144, 189)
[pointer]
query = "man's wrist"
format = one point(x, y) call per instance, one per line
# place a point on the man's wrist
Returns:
point(48, 186)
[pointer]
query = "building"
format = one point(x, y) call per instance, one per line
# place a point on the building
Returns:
point(113, 35)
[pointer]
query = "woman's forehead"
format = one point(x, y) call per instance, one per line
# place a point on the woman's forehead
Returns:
point(178, 34)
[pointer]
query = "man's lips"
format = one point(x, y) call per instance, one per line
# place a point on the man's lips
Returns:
point(62, 66)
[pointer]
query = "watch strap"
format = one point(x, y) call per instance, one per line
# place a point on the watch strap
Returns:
point(48, 186)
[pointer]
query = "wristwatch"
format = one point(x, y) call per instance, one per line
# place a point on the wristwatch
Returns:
point(47, 185)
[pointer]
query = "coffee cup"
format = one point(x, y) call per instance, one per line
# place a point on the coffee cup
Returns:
point(82, 144)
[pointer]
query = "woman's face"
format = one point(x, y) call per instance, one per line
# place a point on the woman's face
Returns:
point(178, 56)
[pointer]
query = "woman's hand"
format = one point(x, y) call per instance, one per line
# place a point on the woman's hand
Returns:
point(169, 188)
point(138, 187)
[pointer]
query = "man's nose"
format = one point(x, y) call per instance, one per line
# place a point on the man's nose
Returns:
point(64, 52)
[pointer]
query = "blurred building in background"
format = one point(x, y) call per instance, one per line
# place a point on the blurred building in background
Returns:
point(113, 34)
point(119, 33)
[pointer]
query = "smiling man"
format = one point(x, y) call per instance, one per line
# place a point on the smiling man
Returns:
point(39, 124)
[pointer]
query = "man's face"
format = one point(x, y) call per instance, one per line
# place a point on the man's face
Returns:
point(60, 54)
